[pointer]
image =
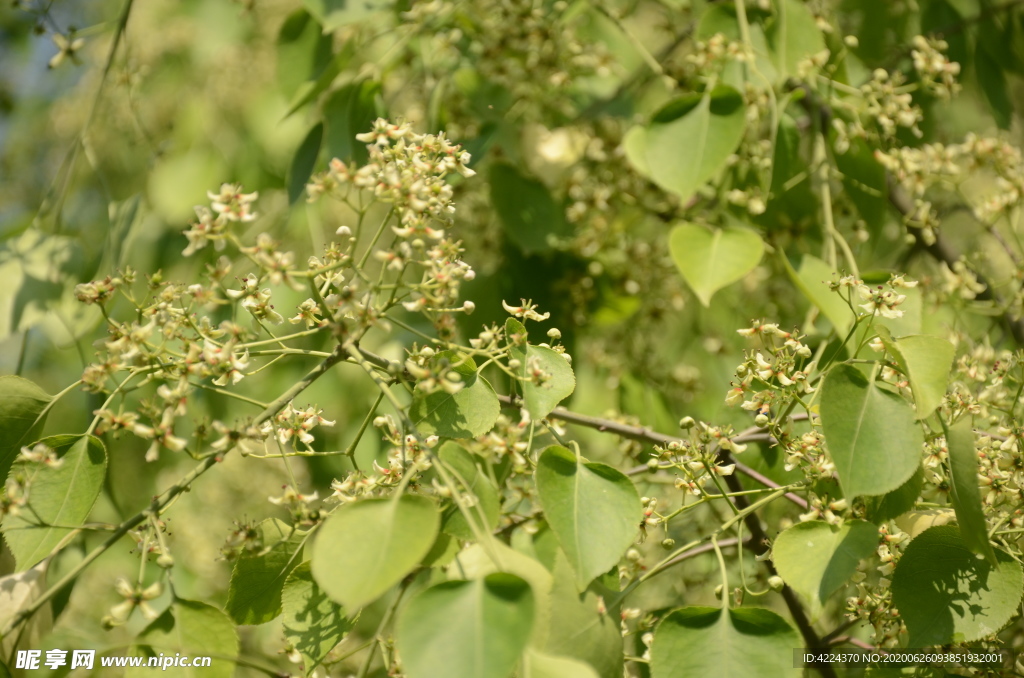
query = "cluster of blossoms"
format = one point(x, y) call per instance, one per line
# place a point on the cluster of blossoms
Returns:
point(807, 452)
point(880, 300)
point(530, 48)
point(873, 601)
point(406, 170)
point(889, 104)
point(713, 53)
point(770, 377)
point(938, 73)
point(211, 225)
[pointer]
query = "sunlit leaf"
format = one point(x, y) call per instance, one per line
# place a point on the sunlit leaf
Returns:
point(392, 535)
point(710, 260)
point(945, 593)
point(871, 434)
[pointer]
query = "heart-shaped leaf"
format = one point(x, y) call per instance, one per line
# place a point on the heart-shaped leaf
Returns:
point(947, 594)
point(816, 558)
point(710, 260)
point(469, 412)
point(871, 434)
point(556, 381)
point(737, 643)
point(466, 629)
point(689, 140)
point(22, 404)
point(592, 508)
point(365, 548)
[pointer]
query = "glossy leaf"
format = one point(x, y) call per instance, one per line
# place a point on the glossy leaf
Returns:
point(526, 208)
point(366, 547)
point(194, 629)
point(689, 140)
point(816, 559)
point(871, 434)
point(736, 643)
point(793, 36)
point(559, 381)
point(964, 492)
point(304, 162)
point(487, 507)
point(710, 260)
point(21, 417)
point(313, 623)
point(537, 664)
point(466, 629)
point(592, 508)
point(469, 412)
point(254, 594)
point(947, 594)
point(926, 360)
point(61, 496)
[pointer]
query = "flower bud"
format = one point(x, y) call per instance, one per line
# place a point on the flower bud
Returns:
point(165, 561)
point(555, 333)
point(667, 544)
point(718, 592)
point(686, 423)
point(653, 465)
point(776, 583)
point(761, 420)
point(633, 555)
point(468, 307)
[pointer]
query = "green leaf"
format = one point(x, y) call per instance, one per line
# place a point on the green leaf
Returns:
point(304, 162)
point(58, 496)
point(793, 36)
point(469, 412)
point(963, 466)
point(313, 623)
point(710, 260)
point(916, 522)
point(689, 140)
point(466, 629)
point(537, 664)
point(993, 85)
point(578, 629)
point(528, 212)
point(194, 629)
point(947, 594)
point(816, 559)
point(254, 595)
point(592, 508)
point(334, 14)
point(21, 417)
point(813, 279)
point(487, 508)
point(871, 434)
point(894, 504)
point(864, 181)
point(365, 548)
point(349, 111)
point(309, 91)
point(926, 360)
point(476, 562)
point(303, 51)
point(736, 643)
point(559, 381)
